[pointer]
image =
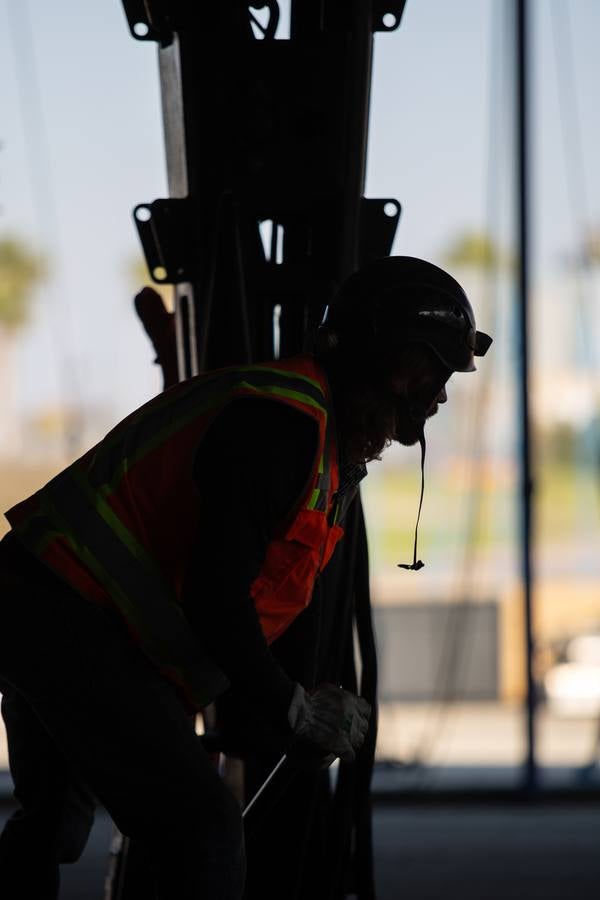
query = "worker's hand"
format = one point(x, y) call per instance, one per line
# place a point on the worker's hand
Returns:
point(331, 718)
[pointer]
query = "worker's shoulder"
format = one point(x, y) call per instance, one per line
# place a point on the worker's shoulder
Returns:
point(259, 422)
point(258, 440)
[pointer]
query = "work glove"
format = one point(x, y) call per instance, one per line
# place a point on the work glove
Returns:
point(331, 718)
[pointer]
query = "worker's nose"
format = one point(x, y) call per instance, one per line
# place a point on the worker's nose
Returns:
point(442, 396)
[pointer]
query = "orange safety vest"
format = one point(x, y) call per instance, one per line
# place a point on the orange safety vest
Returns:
point(119, 524)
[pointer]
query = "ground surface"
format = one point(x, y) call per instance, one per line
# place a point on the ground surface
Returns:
point(500, 852)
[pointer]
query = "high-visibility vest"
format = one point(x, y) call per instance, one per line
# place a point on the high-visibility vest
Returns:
point(120, 523)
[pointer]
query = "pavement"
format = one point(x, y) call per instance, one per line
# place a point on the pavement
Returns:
point(443, 852)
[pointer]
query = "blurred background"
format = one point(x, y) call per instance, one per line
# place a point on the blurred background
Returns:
point(81, 143)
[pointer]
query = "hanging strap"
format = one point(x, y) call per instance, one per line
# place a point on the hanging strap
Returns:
point(417, 564)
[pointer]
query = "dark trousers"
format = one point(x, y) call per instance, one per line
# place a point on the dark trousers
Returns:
point(87, 716)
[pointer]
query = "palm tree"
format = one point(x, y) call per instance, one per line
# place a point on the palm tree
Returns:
point(475, 250)
point(20, 270)
point(589, 250)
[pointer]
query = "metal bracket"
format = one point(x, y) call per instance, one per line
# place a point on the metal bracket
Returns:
point(387, 14)
point(148, 21)
point(269, 30)
point(165, 231)
point(378, 222)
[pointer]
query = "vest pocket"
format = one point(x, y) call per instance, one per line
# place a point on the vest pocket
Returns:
point(286, 581)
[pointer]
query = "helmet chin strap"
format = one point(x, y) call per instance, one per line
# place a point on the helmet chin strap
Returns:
point(418, 414)
point(418, 564)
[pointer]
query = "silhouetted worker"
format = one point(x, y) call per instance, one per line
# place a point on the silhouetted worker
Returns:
point(156, 570)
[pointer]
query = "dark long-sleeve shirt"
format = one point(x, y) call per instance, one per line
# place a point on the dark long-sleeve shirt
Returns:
point(250, 471)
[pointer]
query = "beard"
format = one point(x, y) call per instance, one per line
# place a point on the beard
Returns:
point(366, 423)
point(371, 419)
point(410, 420)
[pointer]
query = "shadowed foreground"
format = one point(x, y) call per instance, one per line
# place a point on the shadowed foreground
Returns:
point(426, 852)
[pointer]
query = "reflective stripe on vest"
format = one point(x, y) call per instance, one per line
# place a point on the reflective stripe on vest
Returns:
point(95, 523)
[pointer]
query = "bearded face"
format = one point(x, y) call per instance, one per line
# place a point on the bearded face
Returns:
point(393, 406)
point(415, 400)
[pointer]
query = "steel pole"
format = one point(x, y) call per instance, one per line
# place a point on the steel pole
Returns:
point(523, 118)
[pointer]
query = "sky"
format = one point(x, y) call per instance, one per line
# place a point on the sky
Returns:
point(81, 144)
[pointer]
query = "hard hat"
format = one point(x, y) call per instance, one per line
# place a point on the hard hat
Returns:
point(397, 300)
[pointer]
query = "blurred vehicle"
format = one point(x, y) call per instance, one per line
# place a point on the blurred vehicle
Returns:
point(572, 687)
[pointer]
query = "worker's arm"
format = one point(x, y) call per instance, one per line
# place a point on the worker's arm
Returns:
point(250, 471)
